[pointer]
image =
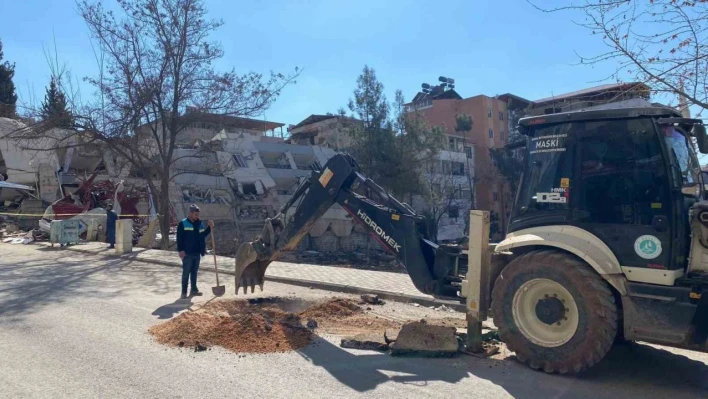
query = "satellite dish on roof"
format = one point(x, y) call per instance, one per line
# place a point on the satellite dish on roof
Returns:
point(425, 86)
point(442, 79)
point(451, 86)
point(451, 81)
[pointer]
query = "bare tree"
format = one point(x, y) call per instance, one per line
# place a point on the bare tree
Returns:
point(663, 43)
point(445, 199)
point(156, 79)
point(464, 124)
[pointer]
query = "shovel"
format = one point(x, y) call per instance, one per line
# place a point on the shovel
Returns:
point(218, 290)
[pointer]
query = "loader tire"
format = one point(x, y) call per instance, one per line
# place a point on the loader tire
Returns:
point(554, 311)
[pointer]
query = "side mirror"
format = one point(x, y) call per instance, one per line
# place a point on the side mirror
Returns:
point(699, 132)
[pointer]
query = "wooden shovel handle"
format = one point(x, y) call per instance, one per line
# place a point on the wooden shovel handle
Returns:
point(213, 251)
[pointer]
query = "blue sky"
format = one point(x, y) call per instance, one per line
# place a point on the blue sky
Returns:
point(488, 47)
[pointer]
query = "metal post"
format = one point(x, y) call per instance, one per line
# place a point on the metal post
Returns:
point(476, 284)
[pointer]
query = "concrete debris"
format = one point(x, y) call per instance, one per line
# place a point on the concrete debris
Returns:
point(417, 305)
point(12, 228)
point(425, 340)
point(365, 342)
point(372, 299)
point(253, 212)
point(193, 194)
point(312, 324)
point(444, 309)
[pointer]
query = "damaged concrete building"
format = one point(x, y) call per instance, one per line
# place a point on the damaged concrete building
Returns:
point(239, 170)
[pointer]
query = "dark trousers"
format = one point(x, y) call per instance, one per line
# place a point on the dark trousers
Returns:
point(111, 236)
point(190, 266)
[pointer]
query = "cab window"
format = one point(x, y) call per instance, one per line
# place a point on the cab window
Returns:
point(622, 173)
point(549, 166)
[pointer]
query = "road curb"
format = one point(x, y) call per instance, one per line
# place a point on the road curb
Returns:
point(322, 285)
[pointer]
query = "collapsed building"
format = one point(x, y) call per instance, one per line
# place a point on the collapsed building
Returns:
point(239, 171)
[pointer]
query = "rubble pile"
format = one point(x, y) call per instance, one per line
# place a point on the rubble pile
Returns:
point(11, 233)
point(203, 195)
point(259, 325)
point(257, 212)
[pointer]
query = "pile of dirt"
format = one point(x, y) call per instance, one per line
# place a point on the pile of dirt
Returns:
point(262, 325)
point(335, 308)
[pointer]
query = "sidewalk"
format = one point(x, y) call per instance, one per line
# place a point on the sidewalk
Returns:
point(392, 286)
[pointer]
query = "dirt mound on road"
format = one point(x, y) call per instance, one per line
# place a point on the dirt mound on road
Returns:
point(335, 308)
point(258, 325)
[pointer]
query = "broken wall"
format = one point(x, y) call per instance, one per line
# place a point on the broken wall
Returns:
point(22, 165)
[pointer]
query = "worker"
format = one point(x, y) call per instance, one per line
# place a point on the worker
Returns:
point(111, 219)
point(191, 234)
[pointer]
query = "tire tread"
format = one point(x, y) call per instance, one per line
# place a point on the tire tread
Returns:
point(602, 304)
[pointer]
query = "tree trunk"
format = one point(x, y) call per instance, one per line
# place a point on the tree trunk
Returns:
point(164, 201)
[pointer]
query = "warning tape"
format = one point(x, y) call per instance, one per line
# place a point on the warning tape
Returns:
point(70, 214)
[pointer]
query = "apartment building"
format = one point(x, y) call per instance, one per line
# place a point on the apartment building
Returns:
point(441, 106)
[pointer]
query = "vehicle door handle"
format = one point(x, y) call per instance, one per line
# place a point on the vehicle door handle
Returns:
point(660, 223)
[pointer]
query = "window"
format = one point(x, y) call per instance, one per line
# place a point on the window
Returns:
point(470, 152)
point(501, 135)
point(454, 144)
point(489, 113)
point(491, 133)
point(453, 212)
point(547, 162)
point(680, 154)
point(240, 161)
point(622, 172)
point(454, 168)
point(501, 116)
point(495, 196)
point(621, 177)
point(250, 188)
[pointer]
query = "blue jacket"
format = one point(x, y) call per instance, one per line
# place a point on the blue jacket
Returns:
point(111, 218)
point(190, 237)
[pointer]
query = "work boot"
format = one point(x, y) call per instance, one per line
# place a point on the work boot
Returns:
point(184, 296)
point(195, 293)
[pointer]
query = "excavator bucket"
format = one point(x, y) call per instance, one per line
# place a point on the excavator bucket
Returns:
point(249, 271)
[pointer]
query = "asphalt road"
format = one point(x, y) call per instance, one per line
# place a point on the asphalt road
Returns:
point(75, 326)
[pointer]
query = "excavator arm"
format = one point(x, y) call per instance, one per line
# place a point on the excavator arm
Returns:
point(434, 269)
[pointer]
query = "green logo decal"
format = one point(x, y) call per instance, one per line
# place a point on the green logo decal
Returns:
point(647, 247)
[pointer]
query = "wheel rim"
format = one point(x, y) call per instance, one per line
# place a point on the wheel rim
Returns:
point(545, 313)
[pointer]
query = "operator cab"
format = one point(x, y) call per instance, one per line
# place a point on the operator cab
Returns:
point(628, 176)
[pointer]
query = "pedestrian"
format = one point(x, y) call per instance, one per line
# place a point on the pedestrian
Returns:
point(111, 219)
point(191, 234)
